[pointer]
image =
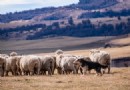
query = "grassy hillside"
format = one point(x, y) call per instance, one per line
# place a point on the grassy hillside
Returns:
point(42, 15)
point(81, 46)
point(121, 41)
point(51, 44)
point(89, 19)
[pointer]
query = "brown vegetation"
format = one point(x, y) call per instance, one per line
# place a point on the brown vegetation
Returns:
point(119, 79)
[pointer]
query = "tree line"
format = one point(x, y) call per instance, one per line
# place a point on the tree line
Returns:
point(83, 29)
point(109, 13)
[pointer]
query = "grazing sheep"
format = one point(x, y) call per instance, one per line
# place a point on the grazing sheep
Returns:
point(11, 65)
point(47, 64)
point(3, 58)
point(101, 57)
point(4, 55)
point(2, 65)
point(58, 67)
point(88, 65)
point(60, 56)
point(18, 65)
point(53, 64)
point(58, 52)
point(67, 65)
point(30, 63)
point(13, 54)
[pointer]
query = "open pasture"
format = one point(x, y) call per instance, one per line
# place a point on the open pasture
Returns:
point(119, 79)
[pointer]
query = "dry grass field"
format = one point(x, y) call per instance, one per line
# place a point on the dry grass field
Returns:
point(122, 41)
point(115, 52)
point(51, 44)
point(119, 79)
point(55, 42)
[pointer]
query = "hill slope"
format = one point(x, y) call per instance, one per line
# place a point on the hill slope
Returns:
point(47, 13)
point(71, 20)
point(65, 43)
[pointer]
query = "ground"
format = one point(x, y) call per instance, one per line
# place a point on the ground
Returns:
point(119, 79)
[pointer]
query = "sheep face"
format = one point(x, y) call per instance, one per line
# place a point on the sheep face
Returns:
point(77, 62)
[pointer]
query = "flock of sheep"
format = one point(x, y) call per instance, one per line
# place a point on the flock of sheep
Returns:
point(63, 63)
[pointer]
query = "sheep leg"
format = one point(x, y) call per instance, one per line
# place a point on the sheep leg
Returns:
point(2, 70)
point(52, 69)
point(84, 70)
point(49, 71)
point(89, 71)
point(108, 69)
point(43, 72)
point(14, 70)
point(65, 72)
point(22, 72)
point(98, 71)
point(19, 71)
point(81, 71)
point(38, 71)
point(31, 72)
point(103, 70)
point(75, 71)
point(59, 70)
point(6, 73)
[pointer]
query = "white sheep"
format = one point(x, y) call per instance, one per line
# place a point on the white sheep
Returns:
point(47, 64)
point(11, 65)
point(13, 54)
point(101, 57)
point(67, 65)
point(58, 52)
point(2, 65)
point(30, 63)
